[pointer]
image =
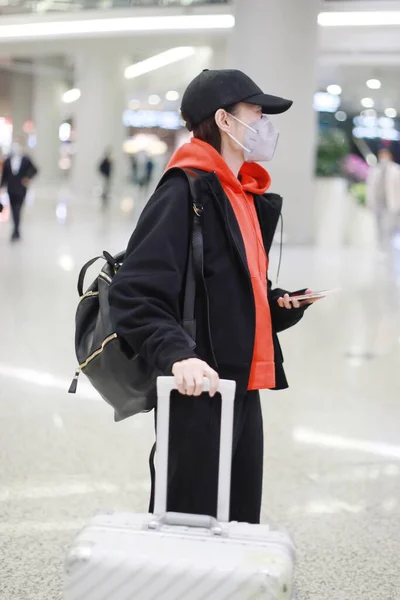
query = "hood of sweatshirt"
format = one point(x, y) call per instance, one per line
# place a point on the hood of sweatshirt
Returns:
point(196, 154)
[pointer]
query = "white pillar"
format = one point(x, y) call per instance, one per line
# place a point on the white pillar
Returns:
point(21, 101)
point(98, 119)
point(220, 56)
point(275, 43)
point(48, 90)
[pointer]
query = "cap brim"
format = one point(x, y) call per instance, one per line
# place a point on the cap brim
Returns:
point(271, 105)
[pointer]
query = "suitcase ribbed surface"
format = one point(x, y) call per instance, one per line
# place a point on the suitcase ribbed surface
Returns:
point(118, 558)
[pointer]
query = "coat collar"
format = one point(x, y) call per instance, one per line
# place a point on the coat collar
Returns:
point(269, 210)
point(227, 213)
point(21, 164)
point(268, 206)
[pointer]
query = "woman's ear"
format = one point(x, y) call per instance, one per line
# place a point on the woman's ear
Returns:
point(221, 119)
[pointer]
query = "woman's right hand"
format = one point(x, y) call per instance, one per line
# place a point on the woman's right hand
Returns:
point(189, 377)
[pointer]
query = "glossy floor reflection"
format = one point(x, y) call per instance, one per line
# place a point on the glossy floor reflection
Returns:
point(332, 472)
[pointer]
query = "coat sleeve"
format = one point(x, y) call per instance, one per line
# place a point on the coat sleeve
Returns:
point(394, 189)
point(145, 295)
point(282, 318)
point(371, 188)
point(31, 169)
point(4, 175)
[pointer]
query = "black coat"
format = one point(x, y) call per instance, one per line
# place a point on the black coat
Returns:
point(13, 182)
point(105, 167)
point(146, 294)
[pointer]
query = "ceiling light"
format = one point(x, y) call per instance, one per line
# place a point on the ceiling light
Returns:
point(334, 90)
point(66, 262)
point(43, 379)
point(370, 112)
point(386, 123)
point(324, 102)
point(64, 132)
point(367, 103)
point(154, 100)
point(391, 113)
point(134, 104)
point(83, 27)
point(336, 442)
point(341, 116)
point(172, 96)
point(158, 61)
point(359, 18)
point(374, 84)
point(71, 96)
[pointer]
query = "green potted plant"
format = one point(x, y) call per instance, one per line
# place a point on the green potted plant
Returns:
point(333, 147)
point(331, 207)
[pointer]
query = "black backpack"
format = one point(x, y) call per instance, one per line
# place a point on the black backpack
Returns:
point(127, 384)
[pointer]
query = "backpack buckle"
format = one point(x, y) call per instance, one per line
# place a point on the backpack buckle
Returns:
point(198, 209)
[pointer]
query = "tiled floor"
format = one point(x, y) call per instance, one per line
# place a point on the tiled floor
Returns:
point(332, 474)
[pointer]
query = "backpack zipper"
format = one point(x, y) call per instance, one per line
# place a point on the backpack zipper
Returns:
point(74, 383)
point(88, 295)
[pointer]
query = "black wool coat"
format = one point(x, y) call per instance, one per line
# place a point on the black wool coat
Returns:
point(146, 295)
point(13, 182)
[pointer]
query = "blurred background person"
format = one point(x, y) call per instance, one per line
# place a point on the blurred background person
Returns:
point(142, 171)
point(149, 170)
point(1, 171)
point(106, 169)
point(18, 171)
point(383, 196)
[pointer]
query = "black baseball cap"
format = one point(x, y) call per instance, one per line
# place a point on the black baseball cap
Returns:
point(215, 89)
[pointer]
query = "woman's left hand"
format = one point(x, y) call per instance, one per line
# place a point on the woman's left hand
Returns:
point(287, 302)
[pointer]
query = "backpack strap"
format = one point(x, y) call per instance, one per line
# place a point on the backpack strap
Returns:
point(195, 265)
point(195, 271)
point(81, 278)
point(113, 262)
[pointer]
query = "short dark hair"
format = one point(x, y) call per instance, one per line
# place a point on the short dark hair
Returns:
point(209, 132)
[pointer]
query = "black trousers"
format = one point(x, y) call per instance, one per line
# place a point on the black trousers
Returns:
point(194, 453)
point(106, 188)
point(16, 203)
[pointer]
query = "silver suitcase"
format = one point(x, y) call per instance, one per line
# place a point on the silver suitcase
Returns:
point(171, 556)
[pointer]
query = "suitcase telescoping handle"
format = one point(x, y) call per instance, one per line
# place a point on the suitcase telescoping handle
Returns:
point(227, 389)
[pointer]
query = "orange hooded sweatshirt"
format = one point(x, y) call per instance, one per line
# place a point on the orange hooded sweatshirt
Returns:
point(253, 179)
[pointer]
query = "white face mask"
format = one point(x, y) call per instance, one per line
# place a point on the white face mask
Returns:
point(260, 140)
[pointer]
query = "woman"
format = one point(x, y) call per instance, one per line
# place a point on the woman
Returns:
point(238, 315)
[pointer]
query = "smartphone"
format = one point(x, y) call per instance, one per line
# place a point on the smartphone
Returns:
point(313, 296)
